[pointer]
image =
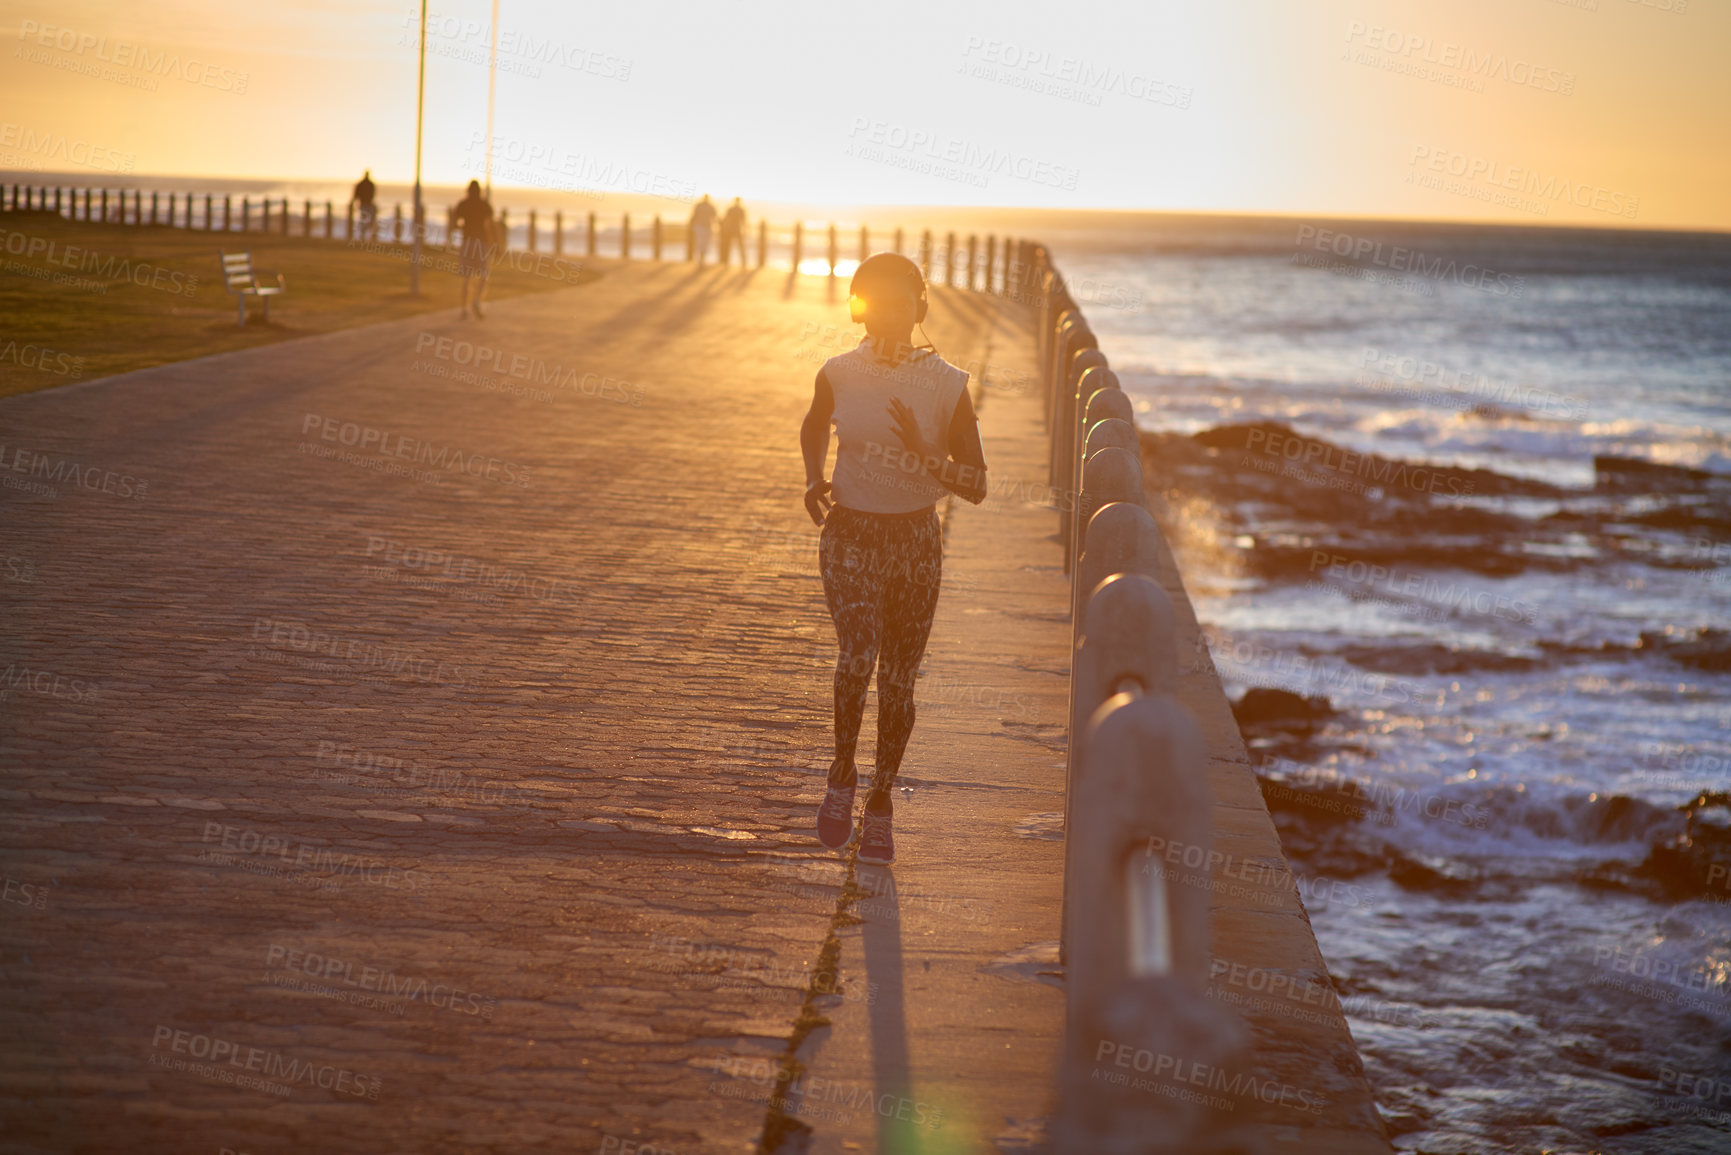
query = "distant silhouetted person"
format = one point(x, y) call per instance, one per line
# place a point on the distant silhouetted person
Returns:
point(474, 216)
point(733, 231)
point(365, 192)
point(906, 436)
point(702, 220)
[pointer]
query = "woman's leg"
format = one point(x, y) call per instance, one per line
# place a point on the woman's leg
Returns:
point(910, 600)
point(852, 587)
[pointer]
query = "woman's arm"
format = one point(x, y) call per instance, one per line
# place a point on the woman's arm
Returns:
point(961, 467)
point(814, 446)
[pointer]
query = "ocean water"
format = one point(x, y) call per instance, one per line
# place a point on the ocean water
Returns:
point(1479, 503)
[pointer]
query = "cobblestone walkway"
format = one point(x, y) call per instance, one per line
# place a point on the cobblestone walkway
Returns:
point(412, 734)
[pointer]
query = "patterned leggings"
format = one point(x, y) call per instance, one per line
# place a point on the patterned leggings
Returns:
point(880, 576)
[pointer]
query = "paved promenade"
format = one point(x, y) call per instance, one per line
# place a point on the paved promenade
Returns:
point(402, 755)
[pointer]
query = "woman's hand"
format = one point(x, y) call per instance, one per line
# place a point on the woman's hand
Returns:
point(818, 501)
point(907, 427)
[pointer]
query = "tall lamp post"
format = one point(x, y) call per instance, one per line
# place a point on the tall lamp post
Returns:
point(492, 77)
point(420, 114)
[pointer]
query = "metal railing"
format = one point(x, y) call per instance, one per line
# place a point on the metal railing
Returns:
point(987, 263)
point(1135, 926)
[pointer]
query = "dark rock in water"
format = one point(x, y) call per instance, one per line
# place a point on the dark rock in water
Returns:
point(1436, 659)
point(1263, 709)
point(1697, 862)
point(1707, 649)
point(1427, 872)
point(1633, 475)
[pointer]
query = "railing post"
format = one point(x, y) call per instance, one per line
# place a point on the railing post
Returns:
point(830, 255)
point(328, 216)
point(762, 243)
point(991, 258)
point(591, 234)
point(1065, 433)
point(397, 224)
point(949, 258)
point(1091, 374)
point(798, 243)
point(625, 237)
point(558, 232)
point(104, 203)
point(898, 245)
point(973, 255)
point(284, 223)
point(532, 237)
point(245, 213)
point(349, 224)
point(655, 242)
point(864, 244)
point(1138, 960)
point(926, 255)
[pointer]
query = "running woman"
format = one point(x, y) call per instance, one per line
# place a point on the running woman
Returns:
point(906, 434)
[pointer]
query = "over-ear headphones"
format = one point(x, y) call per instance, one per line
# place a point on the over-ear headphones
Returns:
point(885, 270)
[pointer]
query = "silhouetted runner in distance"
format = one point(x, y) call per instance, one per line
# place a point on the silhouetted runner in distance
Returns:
point(905, 435)
point(475, 217)
point(365, 192)
point(702, 220)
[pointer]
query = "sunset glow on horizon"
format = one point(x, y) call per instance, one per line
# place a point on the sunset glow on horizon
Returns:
point(1611, 113)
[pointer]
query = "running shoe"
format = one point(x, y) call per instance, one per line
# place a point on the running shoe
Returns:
point(877, 846)
point(835, 817)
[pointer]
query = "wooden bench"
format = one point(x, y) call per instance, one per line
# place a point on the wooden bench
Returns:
point(241, 282)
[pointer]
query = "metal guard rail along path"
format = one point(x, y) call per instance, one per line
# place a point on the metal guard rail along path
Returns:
point(990, 264)
point(1136, 949)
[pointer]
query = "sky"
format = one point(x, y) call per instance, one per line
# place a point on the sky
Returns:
point(1612, 113)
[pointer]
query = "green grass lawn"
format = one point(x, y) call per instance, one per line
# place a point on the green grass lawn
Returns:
point(91, 300)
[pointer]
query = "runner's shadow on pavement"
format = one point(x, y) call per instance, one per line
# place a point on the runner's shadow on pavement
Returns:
point(881, 930)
